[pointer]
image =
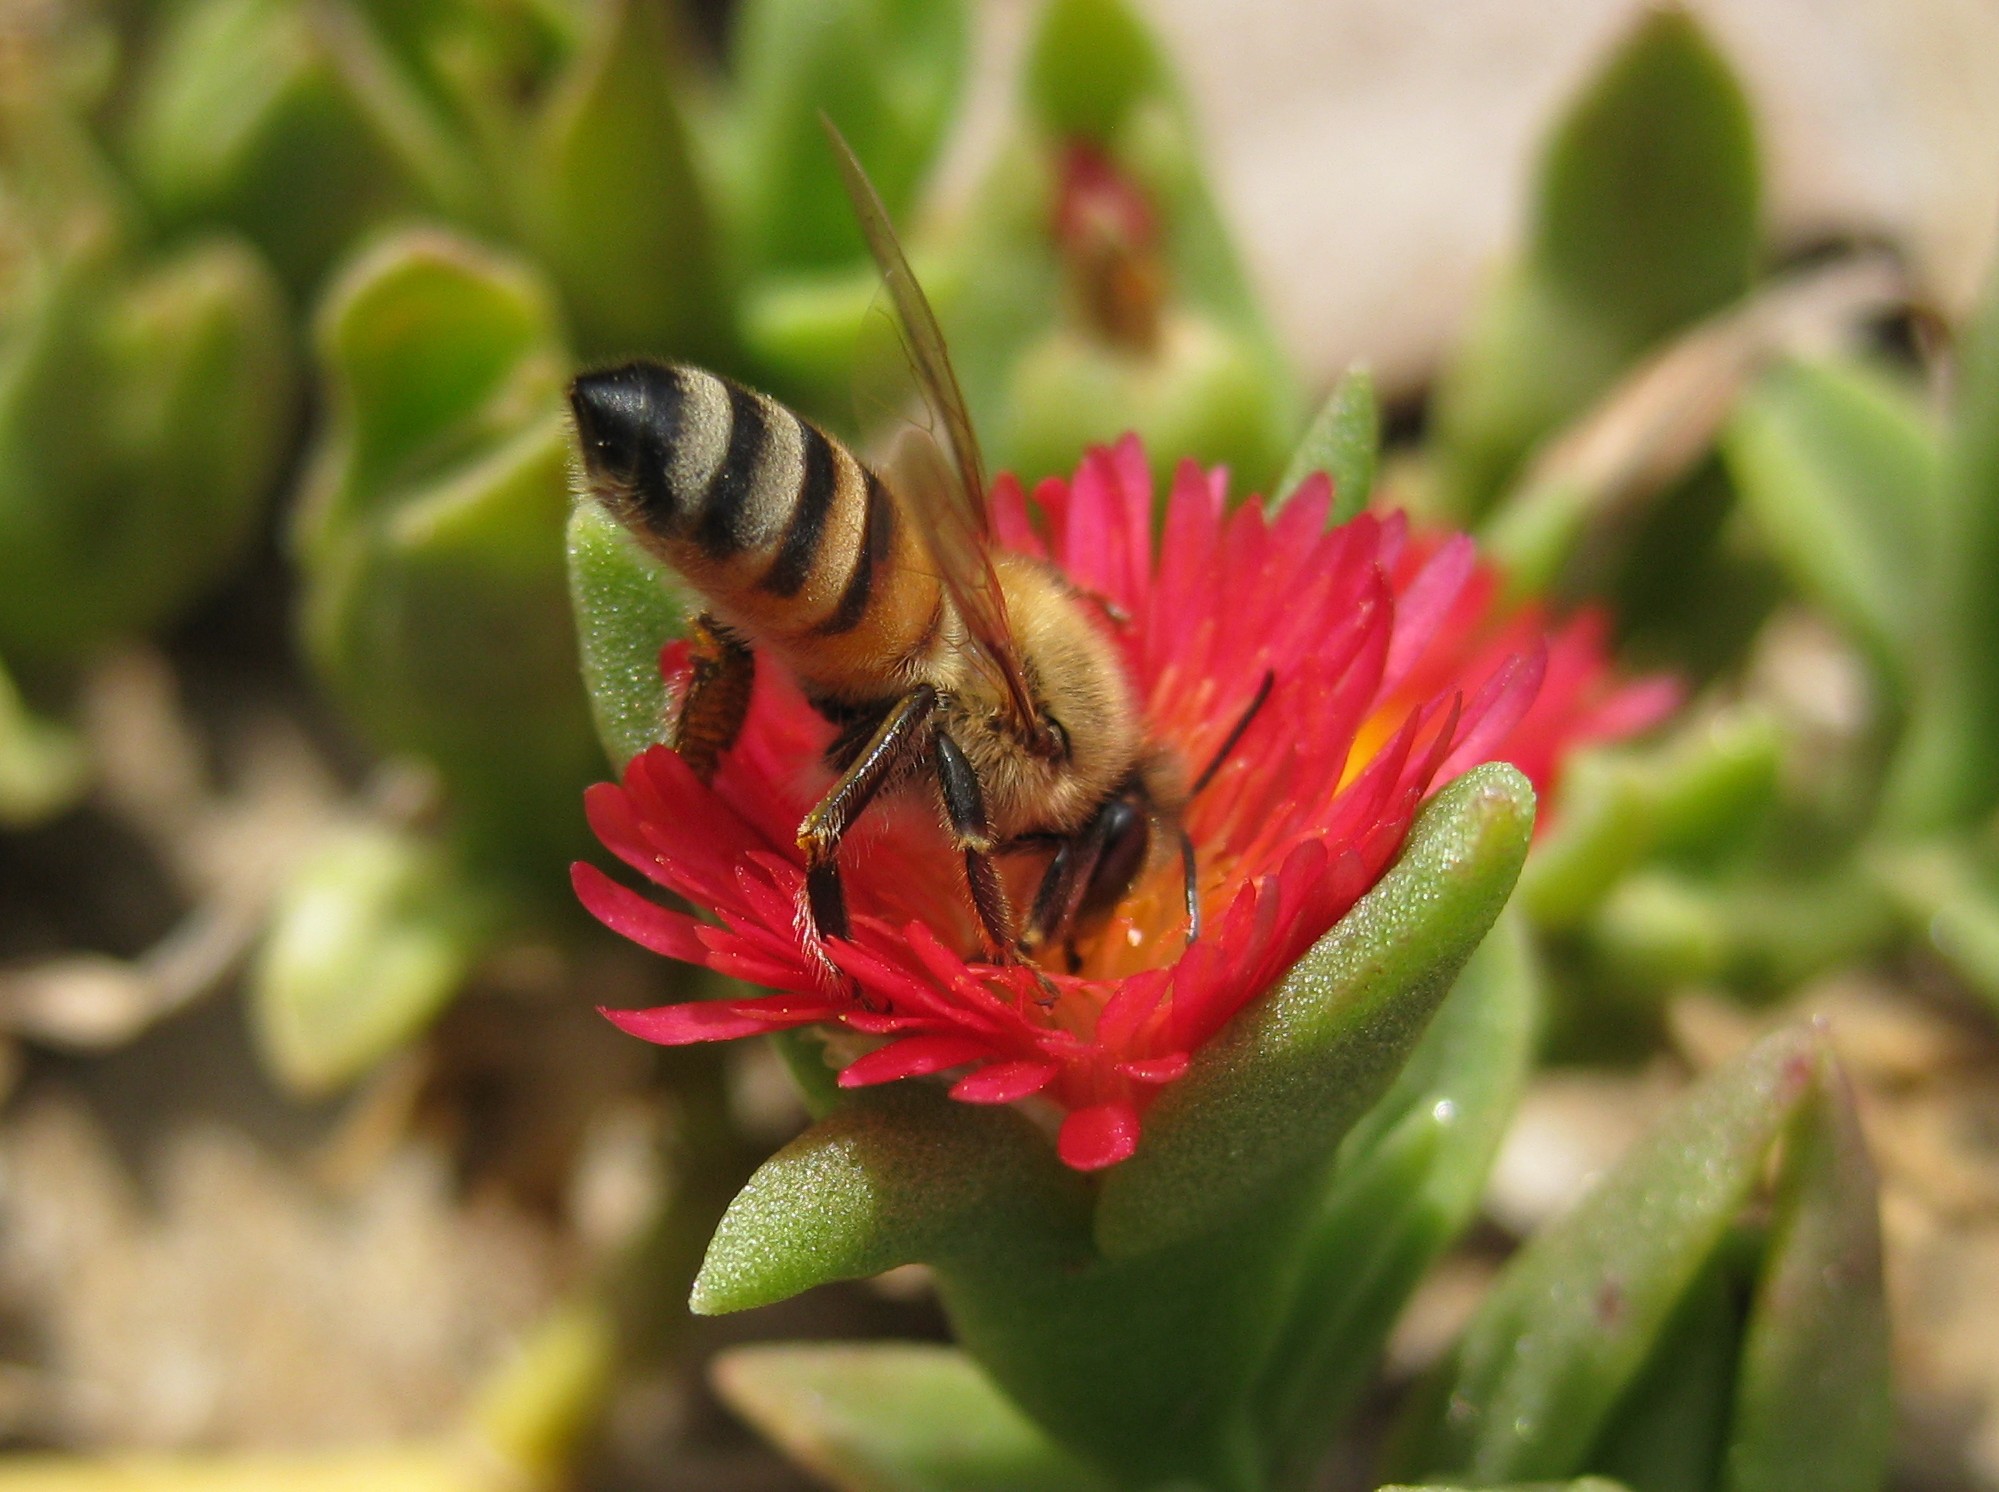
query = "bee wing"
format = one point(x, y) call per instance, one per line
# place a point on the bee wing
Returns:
point(937, 474)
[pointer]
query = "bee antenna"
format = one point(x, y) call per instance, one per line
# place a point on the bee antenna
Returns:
point(1235, 734)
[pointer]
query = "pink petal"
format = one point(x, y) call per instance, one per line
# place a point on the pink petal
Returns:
point(1003, 1082)
point(653, 927)
point(1156, 1070)
point(715, 1020)
point(912, 1057)
point(1501, 703)
point(1099, 1136)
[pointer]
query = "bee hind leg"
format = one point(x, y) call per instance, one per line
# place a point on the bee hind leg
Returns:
point(888, 751)
point(717, 698)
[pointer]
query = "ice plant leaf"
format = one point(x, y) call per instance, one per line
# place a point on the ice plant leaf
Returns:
point(1344, 442)
point(626, 611)
point(887, 72)
point(237, 103)
point(1644, 218)
point(894, 1417)
point(1576, 1319)
point(142, 419)
point(1690, 796)
point(1948, 770)
point(1092, 62)
point(432, 529)
point(896, 1176)
point(1271, 1097)
point(1410, 1177)
point(1812, 1411)
point(1841, 470)
point(369, 939)
point(614, 206)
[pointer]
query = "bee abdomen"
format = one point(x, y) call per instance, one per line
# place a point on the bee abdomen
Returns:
point(777, 523)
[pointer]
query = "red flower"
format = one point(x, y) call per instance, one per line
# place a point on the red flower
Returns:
point(1392, 672)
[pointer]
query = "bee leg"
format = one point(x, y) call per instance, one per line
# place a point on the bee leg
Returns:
point(971, 831)
point(891, 748)
point(1193, 884)
point(717, 699)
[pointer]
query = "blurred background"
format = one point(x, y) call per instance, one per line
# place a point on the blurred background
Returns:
point(317, 1167)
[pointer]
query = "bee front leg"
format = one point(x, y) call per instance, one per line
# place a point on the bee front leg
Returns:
point(717, 698)
point(892, 747)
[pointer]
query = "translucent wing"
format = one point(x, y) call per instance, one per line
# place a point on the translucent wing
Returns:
point(937, 473)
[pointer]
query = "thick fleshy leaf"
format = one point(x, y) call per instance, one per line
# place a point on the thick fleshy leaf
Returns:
point(1690, 798)
point(894, 1417)
point(1209, 392)
point(897, 1176)
point(1671, 1431)
point(1644, 219)
point(887, 72)
point(1812, 1410)
point(432, 346)
point(1841, 470)
point(1274, 1094)
point(614, 206)
point(1948, 770)
point(1091, 64)
point(371, 936)
point(1094, 1350)
point(1410, 1178)
point(1344, 442)
point(432, 535)
point(141, 424)
point(1577, 1319)
point(626, 611)
point(1045, 382)
point(238, 104)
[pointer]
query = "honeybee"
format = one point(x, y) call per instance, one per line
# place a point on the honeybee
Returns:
point(977, 677)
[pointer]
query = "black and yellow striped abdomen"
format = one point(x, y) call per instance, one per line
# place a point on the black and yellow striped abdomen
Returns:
point(789, 538)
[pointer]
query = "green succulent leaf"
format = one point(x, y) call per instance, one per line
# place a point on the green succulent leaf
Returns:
point(626, 611)
point(1214, 384)
point(1207, 395)
point(615, 208)
point(1690, 798)
point(1091, 64)
point(1948, 770)
point(1271, 1097)
point(371, 936)
point(888, 73)
point(1812, 1409)
point(948, 1430)
point(1409, 1180)
point(1579, 1358)
point(895, 1176)
point(1644, 218)
point(432, 536)
point(1344, 442)
point(142, 420)
point(1841, 470)
point(242, 116)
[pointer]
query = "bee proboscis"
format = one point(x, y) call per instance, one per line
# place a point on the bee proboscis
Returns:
point(932, 652)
